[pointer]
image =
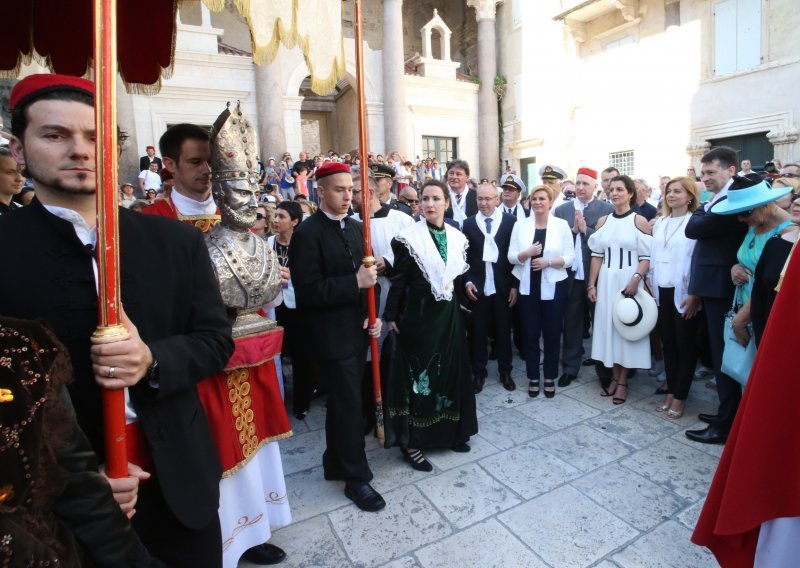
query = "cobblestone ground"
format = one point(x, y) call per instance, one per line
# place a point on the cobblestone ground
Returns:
point(566, 482)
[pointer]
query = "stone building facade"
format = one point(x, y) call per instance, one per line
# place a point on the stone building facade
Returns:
point(648, 85)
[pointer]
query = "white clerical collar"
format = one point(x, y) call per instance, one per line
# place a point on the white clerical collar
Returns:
point(333, 217)
point(188, 206)
point(85, 233)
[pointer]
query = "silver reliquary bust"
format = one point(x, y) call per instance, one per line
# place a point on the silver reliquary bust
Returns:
point(247, 269)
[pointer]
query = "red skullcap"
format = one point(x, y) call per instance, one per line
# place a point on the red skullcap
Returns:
point(588, 172)
point(150, 148)
point(35, 85)
point(330, 168)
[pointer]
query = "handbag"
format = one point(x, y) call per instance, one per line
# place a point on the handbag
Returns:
point(737, 359)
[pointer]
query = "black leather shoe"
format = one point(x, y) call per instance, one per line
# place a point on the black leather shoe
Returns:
point(364, 496)
point(707, 418)
point(566, 379)
point(709, 435)
point(477, 382)
point(507, 382)
point(588, 362)
point(264, 554)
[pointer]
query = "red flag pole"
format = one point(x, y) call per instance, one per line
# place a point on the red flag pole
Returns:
point(109, 328)
point(369, 260)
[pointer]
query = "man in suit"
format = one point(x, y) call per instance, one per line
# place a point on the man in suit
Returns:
point(384, 176)
point(512, 190)
point(463, 202)
point(490, 286)
point(582, 214)
point(718, 239)
point(178, 336)
point(150, 158)
point(325, 259)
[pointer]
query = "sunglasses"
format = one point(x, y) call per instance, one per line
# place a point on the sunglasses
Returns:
point(411, 201)
point(260, 216)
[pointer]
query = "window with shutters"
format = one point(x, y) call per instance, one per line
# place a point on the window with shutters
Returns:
point(623, 161)
point(737, 35)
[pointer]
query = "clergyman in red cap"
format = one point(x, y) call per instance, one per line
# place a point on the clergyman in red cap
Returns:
point(325, 259)
point(177, 337)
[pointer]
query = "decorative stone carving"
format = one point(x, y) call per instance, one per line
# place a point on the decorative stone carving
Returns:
point(484, 9)
point(628, 8)
point(698, 148)
point(426, 64)
point(577, 29)
point(784, 136)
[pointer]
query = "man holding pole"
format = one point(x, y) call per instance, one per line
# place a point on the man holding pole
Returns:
point(176, 338)
point(325, 258)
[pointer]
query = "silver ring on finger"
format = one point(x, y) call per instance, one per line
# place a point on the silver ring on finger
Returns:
point(111, 372)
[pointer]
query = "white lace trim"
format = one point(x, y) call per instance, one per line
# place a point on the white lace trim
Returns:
point(437, 273)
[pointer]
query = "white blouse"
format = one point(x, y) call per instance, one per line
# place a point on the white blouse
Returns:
point(671, 257)
point(557, 242)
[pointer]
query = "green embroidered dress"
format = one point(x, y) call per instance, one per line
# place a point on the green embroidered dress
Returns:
point(428, 397)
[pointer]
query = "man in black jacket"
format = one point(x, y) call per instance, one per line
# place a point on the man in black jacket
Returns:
point(490, 286)
point(718, 240)
point(326, 261)
point(463, 202)
point(178, 335)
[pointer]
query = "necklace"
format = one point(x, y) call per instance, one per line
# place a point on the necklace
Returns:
point(667, 236)
point(282, 252)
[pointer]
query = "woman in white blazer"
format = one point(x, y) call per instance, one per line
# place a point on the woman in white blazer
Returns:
point(541, 250)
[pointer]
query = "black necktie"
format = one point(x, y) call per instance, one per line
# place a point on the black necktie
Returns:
point(458, 198)
point(488, 225)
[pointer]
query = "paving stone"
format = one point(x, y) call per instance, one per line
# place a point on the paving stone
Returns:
point(404, 562)
point(467, 494)
point(606, 564)
point(448, 459)
point(391, 471)
point(409, 521)
point(583, 447)
point(666, 545)
point(487, 544)
point(494, 398)
point(567, 529)
point(529, 470)
point(690, 515)
point(712, 449)
point(302, 451)
point(634, 499)
point(310, 495)
point(509, 428)
point(587, 393)
point(308, 543)
point(675, 466)
point(558, 412)
point(633, 426)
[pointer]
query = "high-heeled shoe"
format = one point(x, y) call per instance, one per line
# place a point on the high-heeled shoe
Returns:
point(549, 384)
point(416, 459)
point(617, 400)
point(606, 391)
point(533, 388)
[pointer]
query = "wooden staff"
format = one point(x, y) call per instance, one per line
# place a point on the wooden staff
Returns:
point(109, 329)
point(369, 260)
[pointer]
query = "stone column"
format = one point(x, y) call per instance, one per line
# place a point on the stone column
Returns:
point(696, 151)
point(128, 162)
point(269, 108)
point(394, 87)
point(488, 129)
point(293, 126)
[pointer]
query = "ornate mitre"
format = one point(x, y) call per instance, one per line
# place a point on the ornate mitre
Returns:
point(234, 147)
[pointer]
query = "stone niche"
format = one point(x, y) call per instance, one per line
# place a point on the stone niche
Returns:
point(426, 64)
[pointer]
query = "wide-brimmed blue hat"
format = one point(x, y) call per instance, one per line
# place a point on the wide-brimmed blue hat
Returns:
point(744, 196)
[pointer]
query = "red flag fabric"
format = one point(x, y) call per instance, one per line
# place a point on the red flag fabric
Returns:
point(61, 33)
point(756, 480)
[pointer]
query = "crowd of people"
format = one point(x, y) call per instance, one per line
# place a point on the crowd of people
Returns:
point(464, 271)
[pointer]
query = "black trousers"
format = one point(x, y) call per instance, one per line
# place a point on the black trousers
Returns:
point(678, 340)
point(545, 319)
point(344, 457)
point(490, 313)
point(294, 346)
point(574, 323)
point(170, 541)
point(729, 391)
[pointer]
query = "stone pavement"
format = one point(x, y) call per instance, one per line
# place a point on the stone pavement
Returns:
point(565, 482)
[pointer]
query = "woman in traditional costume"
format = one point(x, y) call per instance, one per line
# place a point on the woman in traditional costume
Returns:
point(429, 393)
